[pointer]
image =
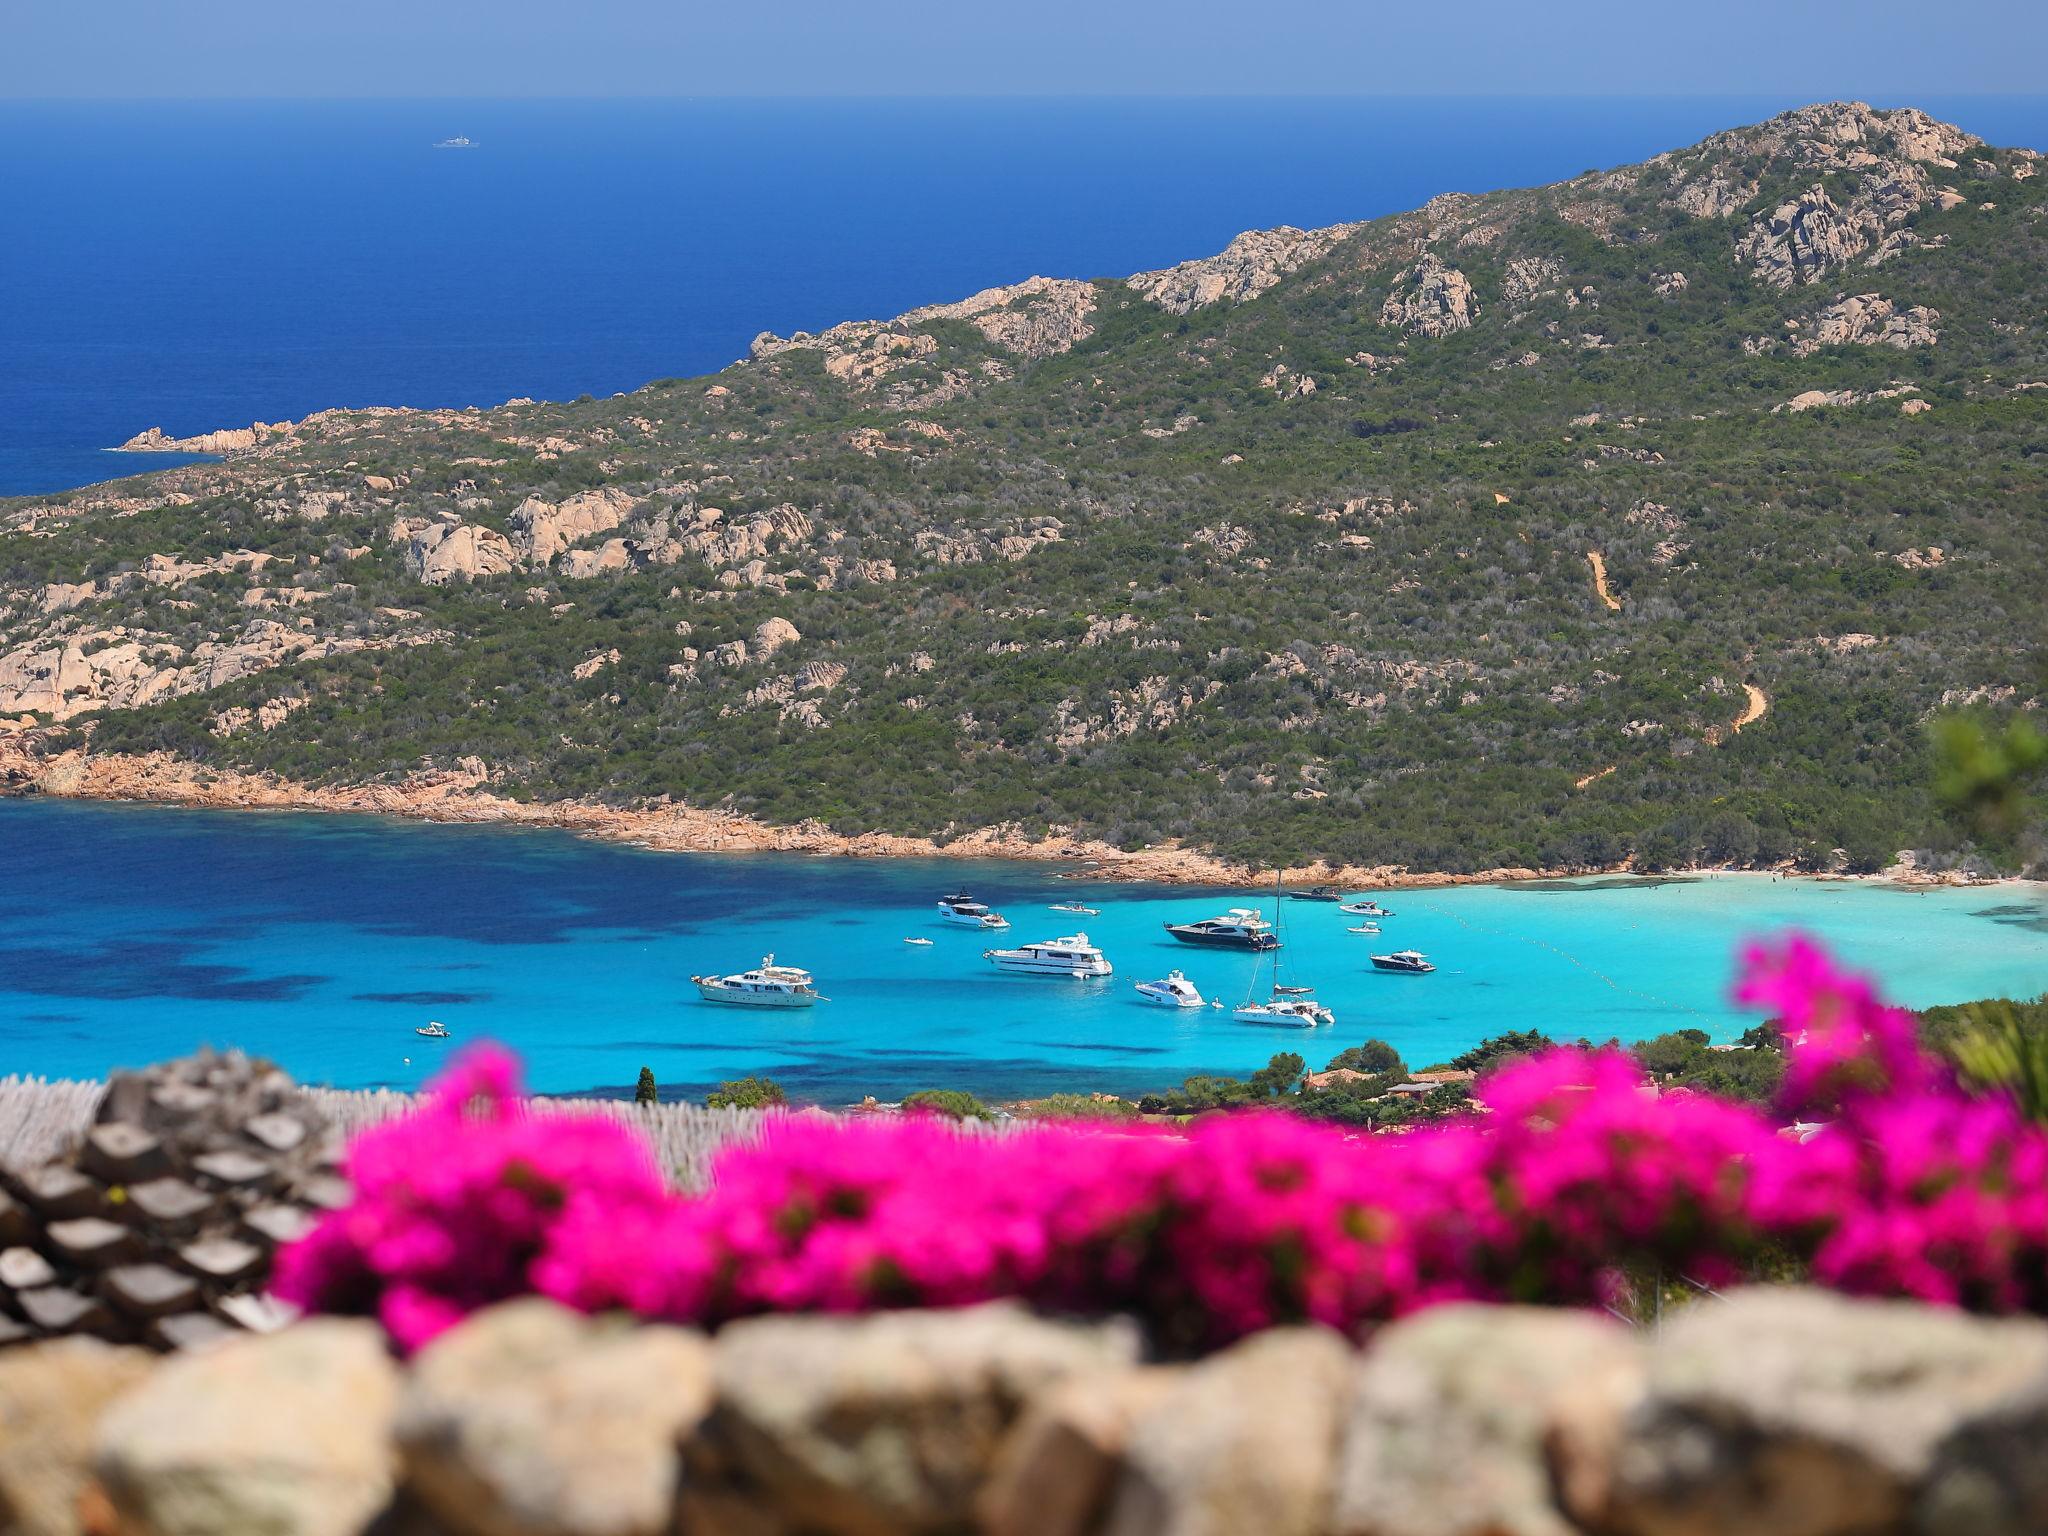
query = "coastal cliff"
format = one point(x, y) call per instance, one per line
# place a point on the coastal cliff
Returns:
point(1461, 540)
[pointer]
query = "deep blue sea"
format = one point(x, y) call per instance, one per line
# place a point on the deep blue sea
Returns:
point(202, 265)
point(130, 933)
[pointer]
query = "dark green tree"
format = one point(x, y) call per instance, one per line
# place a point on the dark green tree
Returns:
point(746, 1093)
point(646, 1092)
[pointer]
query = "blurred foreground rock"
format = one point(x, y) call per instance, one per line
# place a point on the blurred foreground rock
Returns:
point(1770, 1413)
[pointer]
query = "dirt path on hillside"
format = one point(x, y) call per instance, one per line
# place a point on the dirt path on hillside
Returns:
point(1593, 558)
point(1759, 702)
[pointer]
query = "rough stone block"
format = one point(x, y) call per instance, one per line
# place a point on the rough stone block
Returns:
point(1246, 1441)
point(1803, 1413)
point(289, 1433)
point(532, 1420)
point(890, 1422)
point(1057, 1467)
point(52, 1396)
point(1451, 1416)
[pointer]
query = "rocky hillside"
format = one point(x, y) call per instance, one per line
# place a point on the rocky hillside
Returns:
point(1649, 513)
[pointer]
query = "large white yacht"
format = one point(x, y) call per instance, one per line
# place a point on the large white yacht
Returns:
point(963, 909)
point(768, 985)
point(1074, 957)
point(1175, 991)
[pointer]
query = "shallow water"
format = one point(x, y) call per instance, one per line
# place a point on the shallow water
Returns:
point(130, 933)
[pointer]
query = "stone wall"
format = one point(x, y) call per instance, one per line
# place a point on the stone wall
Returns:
point(1774, 1412)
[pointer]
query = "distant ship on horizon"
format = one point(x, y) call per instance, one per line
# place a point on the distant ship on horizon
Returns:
point(455, 143)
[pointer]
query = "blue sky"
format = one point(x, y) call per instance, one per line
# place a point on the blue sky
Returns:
point(1887, 50)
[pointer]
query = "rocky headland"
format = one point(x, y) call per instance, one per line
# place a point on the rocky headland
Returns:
point(1284, 547)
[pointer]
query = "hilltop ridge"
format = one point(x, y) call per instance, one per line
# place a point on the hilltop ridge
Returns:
point(1281, 551)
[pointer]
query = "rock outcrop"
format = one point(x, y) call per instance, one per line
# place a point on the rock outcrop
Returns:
point(438, 553)
point(227, 440)
point(541, 529)
point(1869, 320)
point(1243, 269)
point(1430, 299)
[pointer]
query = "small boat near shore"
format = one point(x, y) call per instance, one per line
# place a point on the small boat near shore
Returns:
point(1239, 928)
point(433, 1029)
point(767, 985)
point(1409, 961)
point(1364, 909)
point(1072, 957)
point(1172, 991)
point(1316, 893)
point(1075, 909)
point(1364, 928)
point(925, 942)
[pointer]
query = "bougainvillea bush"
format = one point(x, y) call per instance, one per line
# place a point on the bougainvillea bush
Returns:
point(1572, 1177)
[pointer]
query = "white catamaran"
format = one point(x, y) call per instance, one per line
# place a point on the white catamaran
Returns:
point(1294, 1007)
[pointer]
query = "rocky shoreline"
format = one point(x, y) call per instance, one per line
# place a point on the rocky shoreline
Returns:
point(56, 763)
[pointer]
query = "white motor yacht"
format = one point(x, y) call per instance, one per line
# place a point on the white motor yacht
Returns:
point(1364, 909)
point(965, 910)
point(1175, 991)
point(1074, 957)
point(768, 985)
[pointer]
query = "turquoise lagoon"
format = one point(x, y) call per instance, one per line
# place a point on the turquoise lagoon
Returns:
point(130, 933)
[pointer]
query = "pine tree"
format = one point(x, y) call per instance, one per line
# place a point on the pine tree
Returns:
point(647, 1093)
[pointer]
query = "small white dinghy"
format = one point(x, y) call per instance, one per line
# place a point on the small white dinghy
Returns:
point(433, 1029)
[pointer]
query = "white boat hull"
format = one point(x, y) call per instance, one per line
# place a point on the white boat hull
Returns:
point(712, 992)
point(1160, 998)
point(991, 921)
point(1033, 965)
point(1287, 1018)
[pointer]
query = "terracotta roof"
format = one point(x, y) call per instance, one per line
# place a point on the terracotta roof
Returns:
point(1335, 1075)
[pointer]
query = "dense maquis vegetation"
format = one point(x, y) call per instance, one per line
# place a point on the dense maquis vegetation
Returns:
point(1354, 620)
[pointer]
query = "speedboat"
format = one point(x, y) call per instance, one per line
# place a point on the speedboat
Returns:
point(1294, 1012)
point(433, 1029)
point(1408, 960)
point(1073, 956)
point(968, 913)
point(1364, 909)
point(1364, 928)
point(460, 141)
point(768, 985)
point(1075, 908)
point(1316, 893)
point(1239, 928)
point(1176, 991)
point(926, 942)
